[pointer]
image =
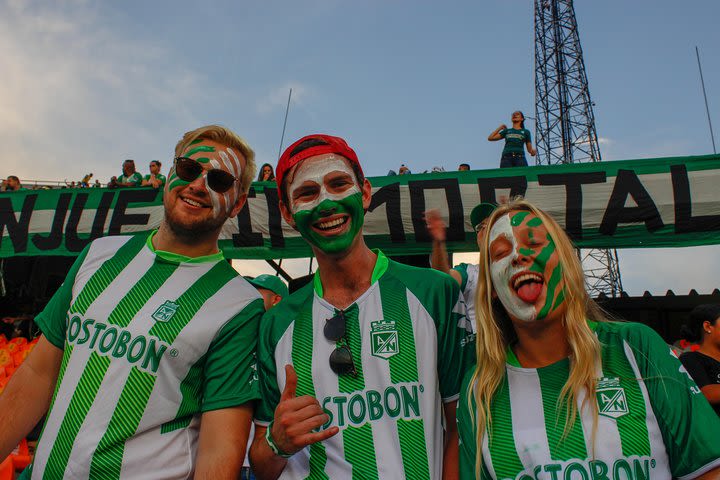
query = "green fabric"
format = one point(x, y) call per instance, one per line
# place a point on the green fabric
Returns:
point(515, 139)
point(462, 270)
point(381, 265)
point(135, 179)
point(456, 352)
point(226, 376)
point(270, 282)
point(687, 423)
point(52, 319)
point(402, 296)
point(221, 378)
point(654, 174)
point(177, 258)
point(293, 309)
point(159, 176)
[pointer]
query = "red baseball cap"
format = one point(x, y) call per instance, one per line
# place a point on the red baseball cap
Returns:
point(330, 144)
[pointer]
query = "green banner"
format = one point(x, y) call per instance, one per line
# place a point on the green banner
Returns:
point(664, 202)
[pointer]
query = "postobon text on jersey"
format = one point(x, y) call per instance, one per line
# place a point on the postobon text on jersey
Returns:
point(141, 351)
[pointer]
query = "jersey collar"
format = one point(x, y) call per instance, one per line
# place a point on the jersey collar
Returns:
point(511, 358)
point(381, 266)
point(177, 258)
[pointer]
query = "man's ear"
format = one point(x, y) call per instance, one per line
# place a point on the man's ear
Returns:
point(286, 213)
point(366, 194)
point(238, 205)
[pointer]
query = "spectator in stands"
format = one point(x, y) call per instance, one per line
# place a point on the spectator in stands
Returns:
point(515, 138)
point(465, 274)
point(272, 290)
point(463, 167)
point(270, 287)
point(85, 182)
point(267, 174)
point(129, 178)
point(97, 184)
point(12, 184)
point(155, 179)
point(403, 170)
point(703, 365)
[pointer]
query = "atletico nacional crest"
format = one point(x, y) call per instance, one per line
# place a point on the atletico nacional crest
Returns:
point(165, 311)
point(611, 398)
point(384, 339)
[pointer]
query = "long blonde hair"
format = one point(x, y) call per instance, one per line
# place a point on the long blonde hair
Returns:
point(495, 332)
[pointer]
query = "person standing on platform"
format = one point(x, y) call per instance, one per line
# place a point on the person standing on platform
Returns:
point(360, 369)
point(703, 365)
point(516, 138)
point(147, 354)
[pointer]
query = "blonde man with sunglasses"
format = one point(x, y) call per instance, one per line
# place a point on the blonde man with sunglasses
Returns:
point(146, 361)
point(359, 369)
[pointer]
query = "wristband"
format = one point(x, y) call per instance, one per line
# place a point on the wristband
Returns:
point(271, 443)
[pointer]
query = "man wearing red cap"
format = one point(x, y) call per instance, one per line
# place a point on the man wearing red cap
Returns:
point(359, 370)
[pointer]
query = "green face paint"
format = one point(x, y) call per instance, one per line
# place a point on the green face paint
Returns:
point(351, 205)
point(518, 218)
point(530, 239)
point(174, 181)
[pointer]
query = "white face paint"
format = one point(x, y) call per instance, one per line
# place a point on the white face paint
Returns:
point(232, 166)
point(502, 270)
point(314, 170)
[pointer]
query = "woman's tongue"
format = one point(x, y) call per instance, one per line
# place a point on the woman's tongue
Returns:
point(529, 292)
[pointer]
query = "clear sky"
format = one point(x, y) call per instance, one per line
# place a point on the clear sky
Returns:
point(87, 84)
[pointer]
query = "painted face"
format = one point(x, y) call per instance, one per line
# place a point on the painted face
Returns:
point(326, 202)
point(194, 204)
point(525, 267)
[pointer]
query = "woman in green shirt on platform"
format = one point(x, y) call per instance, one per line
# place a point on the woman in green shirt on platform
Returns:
point(516, 138)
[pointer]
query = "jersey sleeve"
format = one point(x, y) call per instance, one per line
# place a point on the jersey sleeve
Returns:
point(503, 132)
point(230, 368)
point(136, 179)
point(694, 366)
point(462, 270)
point(53, 319)
point(456, 342)
point(688, 424)
point(469, 291)
point(528, 137)
point(267, 373)
point(466, 435)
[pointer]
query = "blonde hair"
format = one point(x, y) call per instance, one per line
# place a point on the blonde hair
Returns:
point(227, 137)
point(495, 332)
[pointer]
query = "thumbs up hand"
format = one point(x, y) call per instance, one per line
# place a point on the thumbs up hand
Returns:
point(296, 418)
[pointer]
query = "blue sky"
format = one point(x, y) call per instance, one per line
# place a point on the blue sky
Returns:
point(87, 84)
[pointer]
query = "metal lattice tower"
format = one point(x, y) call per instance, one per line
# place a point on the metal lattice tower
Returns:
point(565, 123)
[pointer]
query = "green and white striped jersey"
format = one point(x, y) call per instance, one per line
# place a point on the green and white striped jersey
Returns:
point(469, 273)
point(653, 422)
point(150, 341)
point(410, 343)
